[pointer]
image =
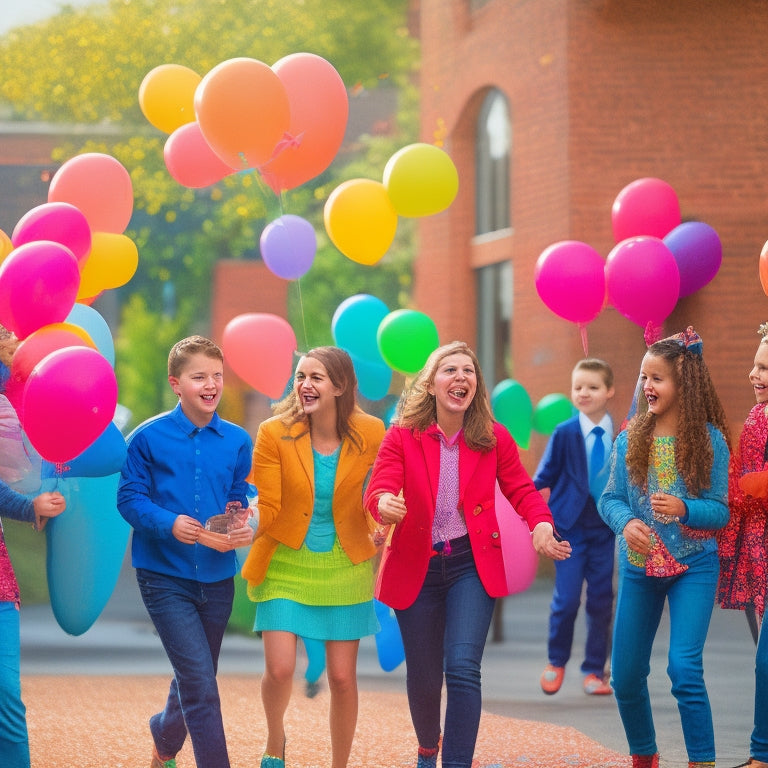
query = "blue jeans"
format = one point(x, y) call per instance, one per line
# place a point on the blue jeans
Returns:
point(641, 599)
point(445, 631)
point(759, 745)
point(190, 617)
point(14, 742)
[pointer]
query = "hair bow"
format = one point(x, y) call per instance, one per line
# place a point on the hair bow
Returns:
point(688, 339)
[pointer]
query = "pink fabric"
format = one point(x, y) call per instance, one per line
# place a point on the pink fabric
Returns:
point(9, 587)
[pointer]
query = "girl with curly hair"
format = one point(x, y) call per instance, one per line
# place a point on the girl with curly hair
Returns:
point(666, 497)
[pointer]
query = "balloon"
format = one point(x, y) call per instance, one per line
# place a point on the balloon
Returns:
point(763, 268)
point(69, 399)
point(406, 338)
point(570, 280)
point(643, 280)
point(355, 324)
point(190, 160)
point(96, 327)
point(550, 411)
point(259, 348)
point(99, 186)
point(360, 220)
point(288, 245)
point(373, 378)
point(167, 96)
point(520, 558)
point(512, 407)
point(6, 245)
point(112, 263)
point(59, 222)
point(421, 180)
point(243, 111)
point(38, 286)
point(698, 253)
point(85, 550)
point(389, 643)
point(645, 207)
point(318, 119)
point(315, 658)
point(105, 456)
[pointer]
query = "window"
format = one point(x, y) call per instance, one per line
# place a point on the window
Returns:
point(494, 316)
point(494, 138)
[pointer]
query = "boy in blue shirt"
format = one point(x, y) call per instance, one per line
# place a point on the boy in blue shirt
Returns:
point(182, 468)
point(575, 468)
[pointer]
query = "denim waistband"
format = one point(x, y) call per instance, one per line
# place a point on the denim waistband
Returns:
point(458, 546)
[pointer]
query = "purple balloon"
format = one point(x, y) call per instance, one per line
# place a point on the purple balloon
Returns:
point(288, 245)
point(698, 253)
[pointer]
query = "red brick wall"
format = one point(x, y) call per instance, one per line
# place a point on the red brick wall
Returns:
point(601, 92)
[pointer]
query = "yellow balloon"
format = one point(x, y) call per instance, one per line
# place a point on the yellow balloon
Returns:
point(167, 96)
point(421, 180)
point(112, 262)
point(6, 246)
point(360, 220)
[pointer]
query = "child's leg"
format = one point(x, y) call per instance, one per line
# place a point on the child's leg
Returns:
point(598, 606)
point(566, 599)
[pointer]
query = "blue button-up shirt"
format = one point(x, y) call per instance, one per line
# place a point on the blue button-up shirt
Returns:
point(175, 468)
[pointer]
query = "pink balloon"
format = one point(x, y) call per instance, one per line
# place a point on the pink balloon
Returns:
point(520, 558)
point(60, 222)
point(645, 207)
point(643, 280)
point(38, 286)
point(69, 400)
point(190, 160)
point(259, 348)
point(570, 280)
point(99, 186)
point(698, 253)
point(288, 245)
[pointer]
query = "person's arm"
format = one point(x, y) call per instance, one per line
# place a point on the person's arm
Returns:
point(709, 510)
point(266, 475)
point(387, 479)
point(614, 505)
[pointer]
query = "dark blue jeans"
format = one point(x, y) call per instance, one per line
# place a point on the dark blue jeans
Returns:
point(190, 617)
point(444, 632)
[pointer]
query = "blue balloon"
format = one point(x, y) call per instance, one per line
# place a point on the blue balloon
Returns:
point(103, 457)
point(91, 321)
point(316, 658)
point(389, 643)
point(85, 549)
point(373, 379)
point(355, 324)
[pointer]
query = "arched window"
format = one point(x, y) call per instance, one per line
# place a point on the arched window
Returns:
point(494, 139)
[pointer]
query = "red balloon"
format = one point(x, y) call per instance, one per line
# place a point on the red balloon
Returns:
point(645, 207)
point(69, 400)
point(259, 348)
point(520, 558)
point(41, 343)
point(319, 110)
point(190, 160)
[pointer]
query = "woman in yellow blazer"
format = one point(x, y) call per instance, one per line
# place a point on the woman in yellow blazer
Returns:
point(309, 569)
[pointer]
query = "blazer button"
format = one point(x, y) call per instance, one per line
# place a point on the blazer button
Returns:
point(477, 510)
point(495, 535)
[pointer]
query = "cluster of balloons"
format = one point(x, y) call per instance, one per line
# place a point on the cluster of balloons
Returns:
point(656, 261)
point(361, 215)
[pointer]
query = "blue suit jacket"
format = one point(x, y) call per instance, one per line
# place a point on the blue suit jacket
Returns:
point(563, 469)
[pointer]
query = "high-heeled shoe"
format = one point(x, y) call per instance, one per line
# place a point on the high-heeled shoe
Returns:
point(270, 761)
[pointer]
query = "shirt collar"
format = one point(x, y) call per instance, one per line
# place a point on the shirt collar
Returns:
point(587, 425)
point(435, 431)
point(188, 428)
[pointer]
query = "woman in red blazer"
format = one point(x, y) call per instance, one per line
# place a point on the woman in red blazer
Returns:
point(434, 481)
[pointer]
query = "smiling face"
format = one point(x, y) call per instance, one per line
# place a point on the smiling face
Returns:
point(199, 387)
point(758, 376)
point(454, 388)
point(313, 387)
point(590, 394)
point(660, 389)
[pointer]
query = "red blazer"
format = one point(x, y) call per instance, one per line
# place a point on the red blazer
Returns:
point(410, 461)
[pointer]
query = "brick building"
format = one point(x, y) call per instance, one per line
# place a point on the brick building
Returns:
point(590, 95)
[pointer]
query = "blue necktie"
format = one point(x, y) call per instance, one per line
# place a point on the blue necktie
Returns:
point(596, 462)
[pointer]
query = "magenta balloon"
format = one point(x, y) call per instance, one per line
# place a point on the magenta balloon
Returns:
point(288, 245)
point(645, 207)
point(38, 286)
point(60, 222)
point(698, 252)
point(190, 160)
point(570, 280)
point(69, 400)
point(643, 280)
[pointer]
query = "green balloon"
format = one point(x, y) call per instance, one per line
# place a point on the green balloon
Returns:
point(550, 411)
point(513, 408)
point(406, 338)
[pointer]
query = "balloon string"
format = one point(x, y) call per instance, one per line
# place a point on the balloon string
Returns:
point(584, 340)
point(301, 312)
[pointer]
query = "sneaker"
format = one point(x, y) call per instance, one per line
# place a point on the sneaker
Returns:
point(159, 762)
point(596, 686)
point(551, 679)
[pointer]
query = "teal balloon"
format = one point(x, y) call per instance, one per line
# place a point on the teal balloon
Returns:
point(355, 324)
point(550, 411)
point(389, 643)
point(373, 378)
point(315, 658)
point(91, 321)
point(406, 338)
point(86, 545)
point(513, 408)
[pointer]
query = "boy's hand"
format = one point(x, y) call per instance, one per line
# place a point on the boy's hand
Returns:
point(186, 529)
point(226, 542)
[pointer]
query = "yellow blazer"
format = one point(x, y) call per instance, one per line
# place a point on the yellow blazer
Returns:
point(283, 473)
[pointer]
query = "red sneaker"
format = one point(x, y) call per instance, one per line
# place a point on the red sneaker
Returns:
point(596, 686)
point(551, 679)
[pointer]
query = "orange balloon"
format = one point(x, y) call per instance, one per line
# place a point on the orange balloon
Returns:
point(319, 112)
point(243, 111)
point(764, 268)
point(113, 262)
point(6, 245)
point(99, 186)
point(167, 96)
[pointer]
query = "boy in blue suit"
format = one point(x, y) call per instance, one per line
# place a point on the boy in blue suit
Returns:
point(575, 468)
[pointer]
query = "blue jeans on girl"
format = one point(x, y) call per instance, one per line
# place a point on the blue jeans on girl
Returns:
point(14, 742)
